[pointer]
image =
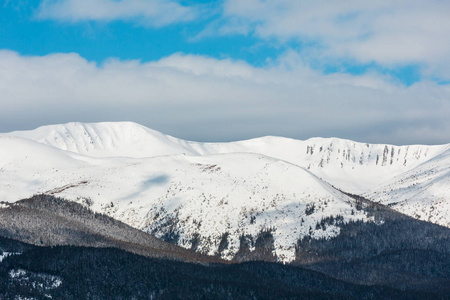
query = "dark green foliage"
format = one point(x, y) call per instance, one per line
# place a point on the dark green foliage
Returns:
point(264, 247)
point(310, 208)
point(359, 240)
point(99, 273)
point(330, 220)
point(171, 237)
point(195, 242)
point(223, 242)
point(245, 243)
point(10, 245)
point(394, 250)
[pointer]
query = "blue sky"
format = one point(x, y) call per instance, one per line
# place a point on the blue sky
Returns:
point(226, 70)
point(96, 40)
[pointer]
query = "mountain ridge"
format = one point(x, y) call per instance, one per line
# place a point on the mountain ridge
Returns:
point(209, 195)
point(134, 140)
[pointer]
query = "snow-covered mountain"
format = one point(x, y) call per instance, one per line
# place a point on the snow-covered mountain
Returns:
point(423, 192)
point(200, 199)
point(209, 195)
point(351, 166)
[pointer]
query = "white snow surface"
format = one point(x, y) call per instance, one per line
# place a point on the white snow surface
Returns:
point(150, 180)
point(39, 281)
point(351, 166)
point(6, 254)
point(423, 192)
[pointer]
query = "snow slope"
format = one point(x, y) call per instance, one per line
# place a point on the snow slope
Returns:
point(200, 192)
point(351, 166)
point(203, 197)
point(423, 192)
point(107, 139)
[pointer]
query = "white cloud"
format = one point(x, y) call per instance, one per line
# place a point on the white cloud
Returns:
point(197, 97)
point(145, 12)
point(389, 33)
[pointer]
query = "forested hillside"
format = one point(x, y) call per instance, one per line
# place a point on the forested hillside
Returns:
point(98, 273)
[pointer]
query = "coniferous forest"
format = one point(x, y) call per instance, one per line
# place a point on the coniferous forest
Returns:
point(55, 249)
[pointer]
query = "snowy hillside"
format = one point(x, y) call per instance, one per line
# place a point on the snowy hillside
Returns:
point(106, 139)
point(423, 192)
point(208, 196)
point(350, 166)
point(200, 199)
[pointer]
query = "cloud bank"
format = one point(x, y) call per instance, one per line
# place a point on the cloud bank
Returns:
point(388, 33)
point(145, 12)
point(202, 98)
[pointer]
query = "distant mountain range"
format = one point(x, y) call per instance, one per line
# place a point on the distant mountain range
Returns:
point(204, 196)
point(359, 214)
